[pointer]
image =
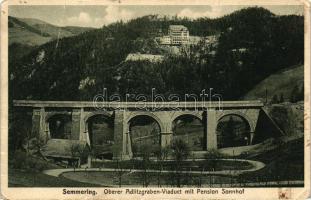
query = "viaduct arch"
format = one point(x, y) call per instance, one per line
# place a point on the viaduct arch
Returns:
point(122, 112)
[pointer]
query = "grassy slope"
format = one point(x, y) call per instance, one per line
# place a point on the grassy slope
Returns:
point(283, 163)
point(77, 30)
point(19, 178)
point(280, 82)
point(18, 34)
point(30, 34)
point(25, 171)
point(52, 30)
point(136, 179)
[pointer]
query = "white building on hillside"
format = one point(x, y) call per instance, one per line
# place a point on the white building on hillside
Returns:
point(179, 34)
point(166, 40)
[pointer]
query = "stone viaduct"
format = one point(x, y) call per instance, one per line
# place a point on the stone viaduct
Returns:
point(163, 113)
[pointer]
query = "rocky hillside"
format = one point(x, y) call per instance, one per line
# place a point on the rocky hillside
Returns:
point(289, 117)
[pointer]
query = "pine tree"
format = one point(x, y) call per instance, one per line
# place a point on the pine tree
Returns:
point(274, 99)
point(294, 94)
point(281, 98)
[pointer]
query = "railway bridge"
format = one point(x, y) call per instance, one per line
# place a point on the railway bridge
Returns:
point(80, 113)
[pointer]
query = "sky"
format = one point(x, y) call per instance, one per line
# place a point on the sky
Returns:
point(99, 15)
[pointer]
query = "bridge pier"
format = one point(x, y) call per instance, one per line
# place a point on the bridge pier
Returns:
point(121, 148)
point(252, 133)
point(38, 124)
point(211, 123)
point(83, 131)
point(76, 124)
point(166, 138)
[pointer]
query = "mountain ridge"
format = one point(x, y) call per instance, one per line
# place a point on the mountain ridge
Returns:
point(92, 58)
point(37, 31)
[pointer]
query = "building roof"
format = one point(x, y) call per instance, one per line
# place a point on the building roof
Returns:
point(177, 27)
point(62, 148)
point(147, 57)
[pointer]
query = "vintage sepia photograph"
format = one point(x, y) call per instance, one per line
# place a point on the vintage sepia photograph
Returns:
point(156, 96)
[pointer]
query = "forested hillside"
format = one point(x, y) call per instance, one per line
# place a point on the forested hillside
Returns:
point(253, 43)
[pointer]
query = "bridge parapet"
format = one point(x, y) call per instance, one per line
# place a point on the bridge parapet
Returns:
point(139, 105)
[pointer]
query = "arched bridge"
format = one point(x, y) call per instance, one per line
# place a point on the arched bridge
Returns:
point(121, 113)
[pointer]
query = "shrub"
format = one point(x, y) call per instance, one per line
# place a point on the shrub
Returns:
point(180, 149)
point(17, 160)
point(162, 153)
point(22, 160)
point(212, 155)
